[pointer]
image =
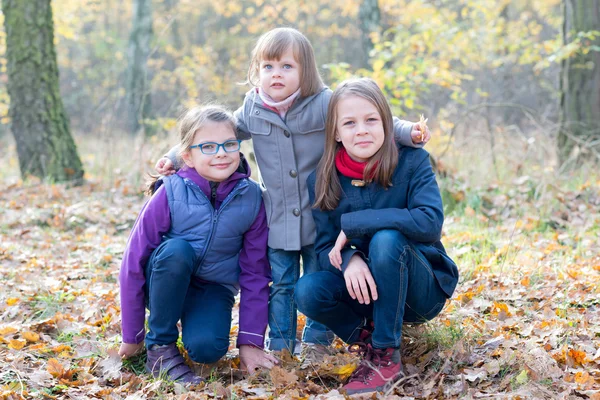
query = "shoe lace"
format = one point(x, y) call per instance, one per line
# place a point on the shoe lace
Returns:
point(372, 359)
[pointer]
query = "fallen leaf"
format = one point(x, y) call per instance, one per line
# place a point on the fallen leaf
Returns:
point(16, 344)
point(55, 368)
point(110, 367)
point(31, 337)
point(282, 378)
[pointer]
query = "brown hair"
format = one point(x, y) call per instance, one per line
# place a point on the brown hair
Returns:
point(380, 166)
point(189, 123)
point(272, 45)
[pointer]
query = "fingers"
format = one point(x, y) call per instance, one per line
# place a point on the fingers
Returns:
point(426, 135)
point(360, 284)
point(164, 166)
point(356, 285)
point(349, 287)
point(364, 290)
point(335, 258)
point(372, 285)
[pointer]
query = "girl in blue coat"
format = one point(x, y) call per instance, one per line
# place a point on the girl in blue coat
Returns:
point(378, 214)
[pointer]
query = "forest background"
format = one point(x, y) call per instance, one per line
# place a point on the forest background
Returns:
point(522, 214)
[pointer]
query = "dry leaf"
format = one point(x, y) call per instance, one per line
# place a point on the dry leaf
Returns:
point(282, 378)
point(55, 368)
point(31, 337)
point(110, 367)
point(423, 126)
point(16, 344)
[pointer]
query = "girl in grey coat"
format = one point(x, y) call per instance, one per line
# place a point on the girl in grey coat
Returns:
point(284, 114)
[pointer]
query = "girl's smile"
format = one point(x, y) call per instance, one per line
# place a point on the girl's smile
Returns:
point(359, 127)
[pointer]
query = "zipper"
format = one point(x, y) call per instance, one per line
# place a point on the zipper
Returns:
point(215, 218)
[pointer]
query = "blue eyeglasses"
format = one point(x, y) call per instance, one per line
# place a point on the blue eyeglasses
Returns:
point(210, 148)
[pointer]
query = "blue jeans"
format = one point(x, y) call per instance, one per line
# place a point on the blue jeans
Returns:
point(406, 287)
point(285, 269)
point(173, 294)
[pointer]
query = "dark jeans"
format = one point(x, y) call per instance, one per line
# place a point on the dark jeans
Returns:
point(173, 294)
point(285, 269)
point(406, 286)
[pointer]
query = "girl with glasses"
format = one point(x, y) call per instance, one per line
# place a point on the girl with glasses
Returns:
point(200, 238)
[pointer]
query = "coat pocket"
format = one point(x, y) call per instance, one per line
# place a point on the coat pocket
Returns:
point(309, 122)
point(259, 126)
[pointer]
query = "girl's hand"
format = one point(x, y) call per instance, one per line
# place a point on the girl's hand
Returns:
point(335, 255)
point(420, 137)
point(252, 358)
point(130, 349)
point(164, 166)
point(359, 280)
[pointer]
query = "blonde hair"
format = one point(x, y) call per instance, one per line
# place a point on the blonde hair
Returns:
point(379, 168)
point(272, 45)
point(189, 123)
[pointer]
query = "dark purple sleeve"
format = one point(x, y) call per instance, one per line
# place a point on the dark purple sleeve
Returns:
point(152, 223)
point(254, 283)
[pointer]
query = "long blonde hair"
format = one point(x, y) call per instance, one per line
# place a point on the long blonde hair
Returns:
point(380, 167)
point(272, 45)
point(189, 123)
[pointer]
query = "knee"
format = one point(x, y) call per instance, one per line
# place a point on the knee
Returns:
point(387, 243)
point(177, 254)
point(206, 348)
point(309, 294)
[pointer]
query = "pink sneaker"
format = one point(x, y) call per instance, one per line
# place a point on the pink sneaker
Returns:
point(378, 370)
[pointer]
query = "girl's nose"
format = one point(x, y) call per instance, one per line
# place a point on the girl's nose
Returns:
point(361, 129)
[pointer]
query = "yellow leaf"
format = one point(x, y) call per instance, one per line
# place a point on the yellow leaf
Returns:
point(344, 371)
point(16, 344)
point(7, 330)
point(61, 348)
point(11, 301)
point(31, 337)
point(583, 377)
point(55, 368)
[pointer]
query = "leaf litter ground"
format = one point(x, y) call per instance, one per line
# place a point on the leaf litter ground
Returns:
point(523, 324)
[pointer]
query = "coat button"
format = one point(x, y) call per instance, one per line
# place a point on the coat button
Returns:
point(293, 173)
point(257, 112)
point(296, 212)
point(286, 133)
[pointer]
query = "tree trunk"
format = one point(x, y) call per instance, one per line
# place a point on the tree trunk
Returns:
point(580, 84)
point(370, 21)
point(138, 95)
point(38, 119)
point(171, 6)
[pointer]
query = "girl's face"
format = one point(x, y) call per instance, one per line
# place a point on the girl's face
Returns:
point(280, 78)
point(359, 127)
point(213, 167)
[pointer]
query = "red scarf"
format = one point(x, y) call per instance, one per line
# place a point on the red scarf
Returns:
point(347, 166)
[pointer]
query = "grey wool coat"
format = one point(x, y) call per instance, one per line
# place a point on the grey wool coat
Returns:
point(288, 151)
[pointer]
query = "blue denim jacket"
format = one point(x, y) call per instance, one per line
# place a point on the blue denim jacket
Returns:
point(412, 205)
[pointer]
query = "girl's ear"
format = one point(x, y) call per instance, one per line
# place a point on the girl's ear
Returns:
point(187, 158)
point(338, 138)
